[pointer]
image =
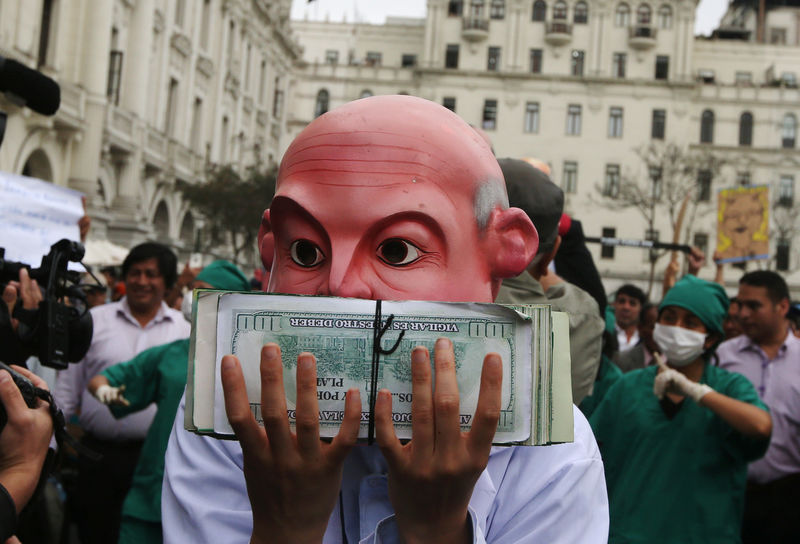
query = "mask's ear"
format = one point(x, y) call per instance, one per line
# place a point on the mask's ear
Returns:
point(266, 241)
point(512, 242)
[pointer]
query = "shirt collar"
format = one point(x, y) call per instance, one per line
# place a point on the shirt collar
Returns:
point(749, 345)
point(124, 310)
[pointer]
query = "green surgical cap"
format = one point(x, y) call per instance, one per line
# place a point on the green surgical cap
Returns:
point(224, 275)
point(707, 300)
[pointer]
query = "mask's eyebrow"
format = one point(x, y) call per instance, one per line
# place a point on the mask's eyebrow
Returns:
point(282, 205)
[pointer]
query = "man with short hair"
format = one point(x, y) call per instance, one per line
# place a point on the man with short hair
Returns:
point(641, 355)
point(122, 329)
point(532, 191)
point(768, 354)
point(388, 197)
point(628, 304)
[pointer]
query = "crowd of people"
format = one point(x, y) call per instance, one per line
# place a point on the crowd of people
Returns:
point(687, 409)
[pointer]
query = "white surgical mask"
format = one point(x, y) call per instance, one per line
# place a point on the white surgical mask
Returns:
point(186, 306)
point(680, 346)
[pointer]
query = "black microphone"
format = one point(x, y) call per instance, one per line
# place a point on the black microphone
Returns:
point(32, 88)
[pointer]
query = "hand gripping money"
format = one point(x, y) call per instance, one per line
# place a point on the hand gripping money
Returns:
point(392, 198)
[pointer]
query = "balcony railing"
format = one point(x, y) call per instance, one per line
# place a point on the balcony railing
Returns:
point(558, 32)
point(474, 28)
point(642, 36)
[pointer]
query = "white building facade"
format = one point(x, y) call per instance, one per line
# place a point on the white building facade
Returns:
point(581, 84)
point(152, 92)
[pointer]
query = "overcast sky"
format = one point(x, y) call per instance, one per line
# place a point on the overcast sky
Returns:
point(375, 11)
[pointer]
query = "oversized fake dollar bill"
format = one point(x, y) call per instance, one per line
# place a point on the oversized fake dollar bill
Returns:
point(340, 333)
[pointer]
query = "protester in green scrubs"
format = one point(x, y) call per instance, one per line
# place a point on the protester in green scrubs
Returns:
point(155, 375)
point(676, 438)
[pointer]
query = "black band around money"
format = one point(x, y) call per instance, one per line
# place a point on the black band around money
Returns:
point(378, 330)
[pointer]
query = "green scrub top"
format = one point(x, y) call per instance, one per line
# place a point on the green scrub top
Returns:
point(607, 375)
point(155, 375)
point(679, 480)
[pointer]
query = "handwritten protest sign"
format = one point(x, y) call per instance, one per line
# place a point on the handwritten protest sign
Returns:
point(34, 214)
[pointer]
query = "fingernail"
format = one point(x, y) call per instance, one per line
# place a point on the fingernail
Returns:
point(305, 361)
point(271, 351)
point(443, 343)
point(418, 355)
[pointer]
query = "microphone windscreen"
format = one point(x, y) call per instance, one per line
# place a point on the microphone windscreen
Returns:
point(40, 93)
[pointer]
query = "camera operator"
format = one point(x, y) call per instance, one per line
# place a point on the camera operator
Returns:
point(25, 438)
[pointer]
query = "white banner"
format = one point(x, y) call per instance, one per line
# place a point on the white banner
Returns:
point(34, 214)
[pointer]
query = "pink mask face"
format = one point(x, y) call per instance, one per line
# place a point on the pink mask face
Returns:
point(377, 199)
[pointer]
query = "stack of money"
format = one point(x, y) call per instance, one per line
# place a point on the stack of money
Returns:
point(532, 341)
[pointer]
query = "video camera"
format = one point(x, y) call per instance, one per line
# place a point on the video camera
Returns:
point(59, 331)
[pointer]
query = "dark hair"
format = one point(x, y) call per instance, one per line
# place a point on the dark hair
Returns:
point(632, 291)
point(775, 285)
point(164, 256)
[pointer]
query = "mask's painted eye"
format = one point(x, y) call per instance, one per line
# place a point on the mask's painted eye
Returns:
point(398, 252)
point(306, 253)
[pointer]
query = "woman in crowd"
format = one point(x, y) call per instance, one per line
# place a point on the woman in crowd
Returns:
point(676, 437)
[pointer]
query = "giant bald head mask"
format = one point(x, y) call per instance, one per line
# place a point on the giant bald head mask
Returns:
point(397, 198)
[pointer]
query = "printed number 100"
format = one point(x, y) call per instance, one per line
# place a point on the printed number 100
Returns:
point(489, 330)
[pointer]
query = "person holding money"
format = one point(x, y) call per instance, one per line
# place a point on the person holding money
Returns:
point(676, 437)
point(157, 375)
point(389, 197)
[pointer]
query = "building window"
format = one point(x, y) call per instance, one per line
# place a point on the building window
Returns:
point(580, 13)
point(611, 187)
point(455, 8)
point(476, 9)
point(786, 191)
point(743, 178)
point(114, 77)
point(570, 182)
point(331, 57)
point(262, 81)
point(365, 93)
point(180, 10)
point(451, 56)
point(657, 181)
point(573, 120)
point(44, 32)
point(560, 10)
point(321, 105)
point(497, 9)
point(223, 147)
point(197, 124)
point(700, 241)
point(536, 61)
point(172, 106)
point(704, 185)
point(531, 117)
point(643, 14)
point(707, 127)
point(615, 122)
point(665, 17)
point(788, 130)
point(576, 66)
point(489, 115)
point(277, 100)
point(789, 79)
point(746, 129)
point(449, 102)
point(408, 61)
point(744, 78)
point(777, 36)
point(230, 45)
point(659, 127)
point(622, 15)
point(783, 250)
point(205, 24)
point(706, 76)
point(618, 65)
point(607, 252)
point(493, 62)
point(374, 58)
point(539, 10)
point(662, 67)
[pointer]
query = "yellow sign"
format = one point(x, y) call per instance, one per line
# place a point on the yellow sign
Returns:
point(743, 224)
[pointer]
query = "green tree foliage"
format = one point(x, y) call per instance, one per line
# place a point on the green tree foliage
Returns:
point(232, 205)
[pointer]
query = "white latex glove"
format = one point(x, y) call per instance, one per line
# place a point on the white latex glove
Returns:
point(111, 395)
point(669, 380)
